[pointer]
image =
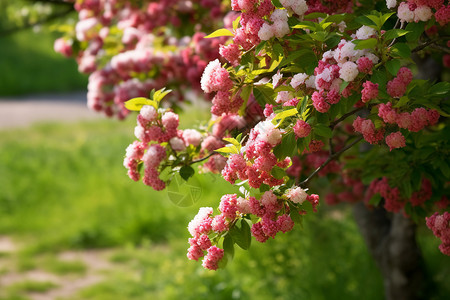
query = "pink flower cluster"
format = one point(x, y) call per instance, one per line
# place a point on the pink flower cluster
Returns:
point(271, 222)
point(343, 63)
point(272, 211)
point(414, 121)
point(392, 200)
point(251, 21)
point(397, 86)
point(367, 128)
point(200, 227)
point(257, 159)
point(118, 77)
point(440, 225)
point(153, 129)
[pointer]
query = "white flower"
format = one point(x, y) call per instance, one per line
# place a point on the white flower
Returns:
point(276, 78)
point(279, 15)
point(299, 7)
point(207, 74)
point(348, 71)
point(265, 32)
point(297, 195)
point(149, 113)
point(139, 132)
point(298, 79)
point(280, 28)
point(365, 32)
point(391, 3)
point(404, 14)
point(422, 13)
point(177, 144)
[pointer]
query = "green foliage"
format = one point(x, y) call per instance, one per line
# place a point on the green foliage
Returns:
point(29, 65)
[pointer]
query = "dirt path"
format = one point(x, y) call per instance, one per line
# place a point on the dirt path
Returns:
point(24, 111)
point(96, 262)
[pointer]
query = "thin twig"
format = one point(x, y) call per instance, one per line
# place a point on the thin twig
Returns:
point(203, 158)
point(330, 158)
point(350, 113)
point(393, 41)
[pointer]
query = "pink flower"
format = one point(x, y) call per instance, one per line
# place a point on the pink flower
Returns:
point(212, 258)
point(369, 92)
point(395, 140)
point(302, 129)
point(228, 206)
point(365, 65)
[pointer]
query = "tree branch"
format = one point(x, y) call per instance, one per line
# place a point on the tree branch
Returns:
point(203, 158)
point(345, 116)
point(330, 158)
point(40, 22)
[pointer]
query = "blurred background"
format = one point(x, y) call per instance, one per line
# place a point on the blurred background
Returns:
point(74, 226)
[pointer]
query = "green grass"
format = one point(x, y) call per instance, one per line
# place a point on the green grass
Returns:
point(29, 64)
point(60, 267)
point(30, 286)
point(64, 187)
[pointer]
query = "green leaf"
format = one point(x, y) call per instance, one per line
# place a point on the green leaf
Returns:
point(136, 104)
point(241, 235)
point(401, 50)
point(228, 247)
point(384, 18)
point(236, 22)
point(315, 15)
point(394, 33)
point(160, 94)
point(293, 213)
point(277, 51)
point(344, 84)
point(402, 102)
point(219, 33)
point(440, 89)
point(365, 44)
point(264, 94)
point(306, 24)
point(278, 172)
point(320, 36)
point(186, 172)
point(393, 66)
point(323, 130)
point(285, 114)
point(228, 150)
point(364, 20)
point(332, 40)
point(233, 141)
point(277, 4)
point(415, 30)
point(286, 147)
point(293, 56)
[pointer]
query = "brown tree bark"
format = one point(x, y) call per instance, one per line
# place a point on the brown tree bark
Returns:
point(391, 239)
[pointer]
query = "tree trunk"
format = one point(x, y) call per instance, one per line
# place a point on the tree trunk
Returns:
point(392, 242)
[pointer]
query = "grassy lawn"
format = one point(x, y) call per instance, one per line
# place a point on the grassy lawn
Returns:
point(28, 64)
point(63, 187)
